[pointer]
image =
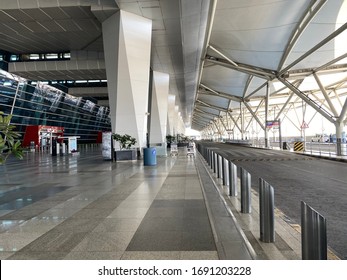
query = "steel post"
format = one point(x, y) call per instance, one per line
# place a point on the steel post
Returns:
point(232, 179)
point(313, 234)
point(225, 171)
point(266, 211)
point(214, 162)
point(245, 191)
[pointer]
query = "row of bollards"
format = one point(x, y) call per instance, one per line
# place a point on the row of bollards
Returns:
point(228, 172)
point(313, 232)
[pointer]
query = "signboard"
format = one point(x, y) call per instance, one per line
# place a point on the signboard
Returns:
point(107, 145)
point(72, 144)
point(304, 125)
point(273, 124)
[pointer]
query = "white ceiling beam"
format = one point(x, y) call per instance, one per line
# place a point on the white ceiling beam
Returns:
point(308, 100)
point(326, 96)
point(255, 71)
point(223, 56)
point(254, 115)
point(315, 48)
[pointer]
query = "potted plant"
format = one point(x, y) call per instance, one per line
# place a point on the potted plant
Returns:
point(8, 143)
point(126, 142)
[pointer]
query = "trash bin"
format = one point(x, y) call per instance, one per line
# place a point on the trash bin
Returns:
point(285, 147)
point(54, 147)
point(149, 156)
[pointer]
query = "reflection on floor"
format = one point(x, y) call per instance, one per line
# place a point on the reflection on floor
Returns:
point(83, 207)
point(86, 208)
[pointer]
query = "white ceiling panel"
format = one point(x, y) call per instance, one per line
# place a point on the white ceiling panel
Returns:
point(214, 100)
point(224, 80)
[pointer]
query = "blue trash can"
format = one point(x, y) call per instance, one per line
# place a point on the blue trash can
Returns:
point(149, 156)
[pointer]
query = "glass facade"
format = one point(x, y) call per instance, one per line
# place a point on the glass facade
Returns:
point(42, 104)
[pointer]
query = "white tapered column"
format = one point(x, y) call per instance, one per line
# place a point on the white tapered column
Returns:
point(159, 108)
point(171, 114)
point(127, 46)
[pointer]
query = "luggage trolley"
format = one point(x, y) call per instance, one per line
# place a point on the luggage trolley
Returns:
point(173, 150)
point(190, 150)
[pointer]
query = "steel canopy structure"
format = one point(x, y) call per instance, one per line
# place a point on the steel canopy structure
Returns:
point(230, 62)
point(264, 54)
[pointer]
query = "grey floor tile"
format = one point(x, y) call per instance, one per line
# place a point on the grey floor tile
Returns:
point(38, 256)
point(165, 212)
point(161, 224)
point(156, 241)
point(118, 224)
point(196, 212)
point(198, 241)
point(78, 225)
point(151, 255)
point(197, 224)
point(199, 255)
point(128, 212)
point(5, 255)
point(94, 255)
point(6, 225)
point(105, 242)
point(236, 251)
point(39, 226)
point(88, 213)
point(23, 214)
point(55, 241)
point(16, 241)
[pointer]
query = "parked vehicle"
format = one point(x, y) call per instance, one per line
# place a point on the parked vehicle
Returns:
point(320, 138)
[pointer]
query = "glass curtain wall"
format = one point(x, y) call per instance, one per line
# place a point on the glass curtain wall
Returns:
point(42, 104)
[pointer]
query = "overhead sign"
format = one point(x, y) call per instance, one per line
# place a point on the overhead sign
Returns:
point(273, 124)
point(304, 125)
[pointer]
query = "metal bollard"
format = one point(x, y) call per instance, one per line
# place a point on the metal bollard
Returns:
point(218, 166)
point(266, 211)
point(245, 191)
point(214, 162)
point(313, 234)
point(220, 160)
point(232, 179)
point(225, 171)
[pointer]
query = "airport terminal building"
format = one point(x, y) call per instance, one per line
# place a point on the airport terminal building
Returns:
point(263, 82)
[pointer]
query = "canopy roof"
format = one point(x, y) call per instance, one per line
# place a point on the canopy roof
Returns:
point(219, 54)
point(289, 45)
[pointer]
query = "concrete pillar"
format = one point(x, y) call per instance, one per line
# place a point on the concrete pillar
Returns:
point(171, 114)
point(266, 132)
point(159, 110)
point(127, 47)
point(339, 130)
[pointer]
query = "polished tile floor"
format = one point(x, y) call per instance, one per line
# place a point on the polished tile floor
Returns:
point(82, 207)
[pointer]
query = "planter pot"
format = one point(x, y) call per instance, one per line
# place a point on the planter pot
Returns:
point(125, 155)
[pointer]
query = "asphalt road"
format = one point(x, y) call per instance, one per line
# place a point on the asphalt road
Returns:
point(320, 183)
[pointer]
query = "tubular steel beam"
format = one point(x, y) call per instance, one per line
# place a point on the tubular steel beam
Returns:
point(224, 56)
point(316, 47)
point(234, 121)
point(254, 115)
point(326, 96)
point(267, 75)
point(308, 100)
point(256, 90)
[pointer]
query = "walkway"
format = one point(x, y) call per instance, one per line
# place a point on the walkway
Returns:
point(82, 207)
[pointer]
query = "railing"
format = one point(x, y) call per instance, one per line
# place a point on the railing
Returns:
point(313, 238)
